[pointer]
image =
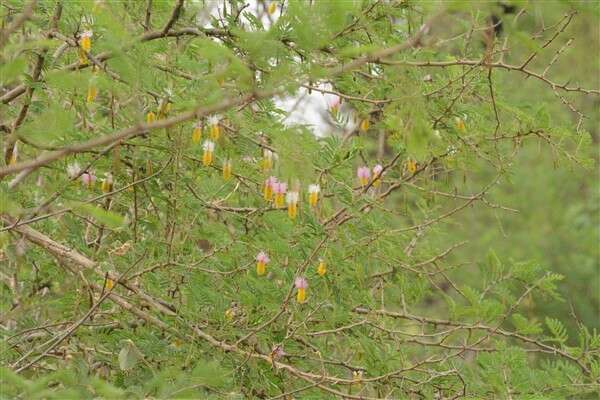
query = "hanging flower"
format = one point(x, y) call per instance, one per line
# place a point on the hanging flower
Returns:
point(215, 129)
point(322, 268)
point(85, 45)
point(363, 174)
point(364, 125)
point(88, 179)
point(277, 352)
point(377, 173)
point(197, 133)
point(150, 117)
point(357, 376)
point(109, 284)
point(92, 92)
point(262, 259)
point(272, 8)
point(411, 166)
point(209, 149)
point(268, 189)
point(164, 107)
point(291, 198)
point(460, 124)
point(279, 189)
point(334, 105)
point(227, 169)
point(267, 160)
point(301, 285)
point(313, 194)
point(73, 170)
point(107, 183)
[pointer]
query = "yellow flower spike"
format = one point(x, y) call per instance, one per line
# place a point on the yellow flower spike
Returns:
point(364, 125)
point(215, 129)
point(313, 194)
point(92, 93)
point(207, 156)
point(163, 109)
point(377, 173)
point(107, 183)
point(322, 268)
point(85, 45)
point(227, 170)
point(229, 314)
point(197, 133)
point(411, 165)
point(357, 376)
point(109, 284)
point(150, 117)
point(267, 160)
point(262, 259)
point(291, 199)
point(272, 8)
point(460, 124)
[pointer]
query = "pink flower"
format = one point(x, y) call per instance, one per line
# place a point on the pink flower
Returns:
point(277, 352)
point(271, 181)
point(363, 174)
point(301, 283)
point(377, 170)
point(262, 257)
point(88, 179)
point(279, 187)
point(334, 103)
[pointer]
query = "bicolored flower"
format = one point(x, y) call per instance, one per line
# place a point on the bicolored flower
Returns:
point(313, 194)
point(363, 174)
point(377, 174)
point(88, 179)
point(279, 189)
point(322, 268)
point(208, 155)
point(334, 105)
point(85, 41)
point(364, 125)
point(107, 183)
point(277, 352)
point(301, 286)
point(267, 160)
point(215, 129)
point(197, 132)
point(73, 170)
point(227, 168)
point(291, 198)
point(268, 188)
point(262, 259)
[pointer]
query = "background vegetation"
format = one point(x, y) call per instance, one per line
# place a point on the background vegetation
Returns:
point(469, 269)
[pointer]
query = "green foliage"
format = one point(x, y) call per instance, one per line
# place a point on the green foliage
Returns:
point(468, 269)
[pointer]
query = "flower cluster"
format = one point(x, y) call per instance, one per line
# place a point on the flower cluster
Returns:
point(364, 175)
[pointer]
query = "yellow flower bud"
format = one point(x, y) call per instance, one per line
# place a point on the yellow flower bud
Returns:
point(411, 165)
point(272, 8)
point(109, 284)
point(197, 134)
point(92, 93)
point(364, 125)
point(322, 268)
point(227, 170)
point(301, 295)
point(150, 117)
